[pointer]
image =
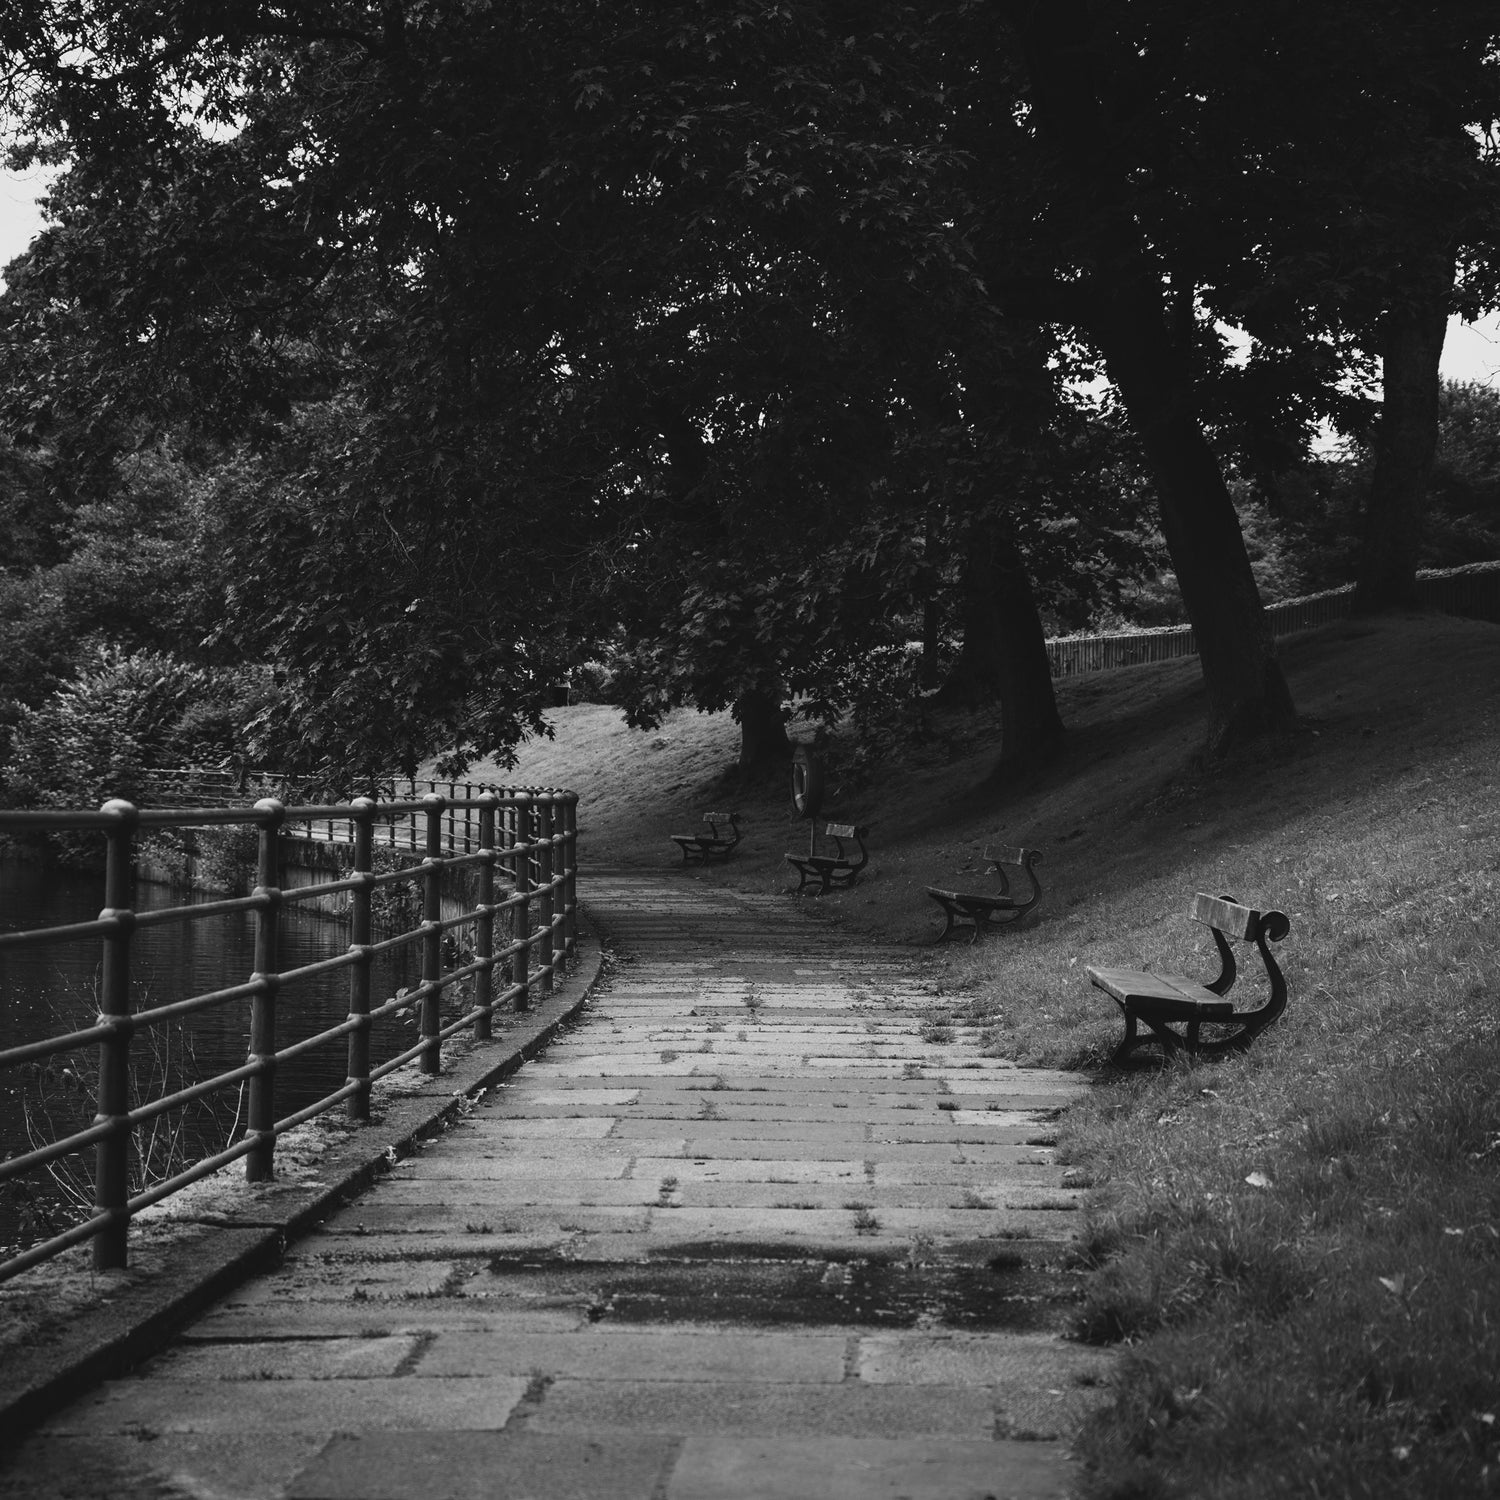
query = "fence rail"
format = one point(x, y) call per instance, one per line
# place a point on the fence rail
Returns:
point(528, 837)
point(1472, 591)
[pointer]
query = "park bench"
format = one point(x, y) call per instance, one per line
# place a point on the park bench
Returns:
point(837, 869)
point(711, 845)
point(997, 908)
point(1164, 1002)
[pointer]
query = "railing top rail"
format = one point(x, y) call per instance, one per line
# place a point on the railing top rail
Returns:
point(268, 810)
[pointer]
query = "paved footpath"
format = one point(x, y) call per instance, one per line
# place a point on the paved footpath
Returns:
point(759, 1225)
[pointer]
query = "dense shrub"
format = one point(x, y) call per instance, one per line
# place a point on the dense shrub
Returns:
point(100, 732)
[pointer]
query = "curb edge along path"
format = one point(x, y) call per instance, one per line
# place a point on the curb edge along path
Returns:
point(751, 1229)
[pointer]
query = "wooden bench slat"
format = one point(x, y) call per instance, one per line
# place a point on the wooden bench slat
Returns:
point(1232, 919)
point(1175, 992)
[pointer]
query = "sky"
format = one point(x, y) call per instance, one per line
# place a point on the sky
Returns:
point(1472, 351)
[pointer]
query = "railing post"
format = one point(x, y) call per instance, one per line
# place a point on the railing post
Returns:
point(570, 864)
point(357, 1107)
point(432, 940)
point(521, 863)
point(484, 926)
point(546, 910)
point(261, 1116)
point(112, 1154)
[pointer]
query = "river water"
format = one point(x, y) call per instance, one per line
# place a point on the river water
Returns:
point(54, 989)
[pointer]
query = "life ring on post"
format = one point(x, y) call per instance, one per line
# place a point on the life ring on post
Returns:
point(807, 782)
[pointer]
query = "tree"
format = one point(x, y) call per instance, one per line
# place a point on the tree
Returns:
point(699, 289)
point(1073, 110)
point(1141, 162)
point(485, 271)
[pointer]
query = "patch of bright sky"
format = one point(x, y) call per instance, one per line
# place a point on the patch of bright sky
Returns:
point(1472, 350)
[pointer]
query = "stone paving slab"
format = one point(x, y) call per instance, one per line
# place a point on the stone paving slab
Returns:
point(816, 1132)
point(555, 1076)
point(834, 1468)
point(380, 1217)
point(331, 1257)
point(723, 1105)
point(356, 1358)
point(859, 1217)
point(571, 1127)
point(165, 1466)
point(701, 1149)
point(155, 1405)
point(634, 1356)
point(743, 1409)
point(470, 1195)
point(1021, 1368)
point(486, 1466)
point(465, 1201)
point(981, 1133)
point(789, 1169)
point(362, 1281)
point(503, 1168)
point(1014, 1164)
point(291, 1322)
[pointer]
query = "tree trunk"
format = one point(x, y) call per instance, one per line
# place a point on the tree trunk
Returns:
point(1405, 442)
point(1004, 651)
point(1083, 79)
point(1247, 691)
point(932, 615)
point(763, 737)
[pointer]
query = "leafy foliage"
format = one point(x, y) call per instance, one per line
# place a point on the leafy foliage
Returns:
point(702, 337)
point(100, 732)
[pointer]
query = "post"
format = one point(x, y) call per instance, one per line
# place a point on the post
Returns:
point(570, 859)
point(112, 1154)
point(432, 939)
point(547, 906)
point(520, 975)
point(261, 1116)
point(357, 1107)
point(484, 927)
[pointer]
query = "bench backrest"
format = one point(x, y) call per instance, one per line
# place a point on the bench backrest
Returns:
point(1232, 919)
point(845, 831)
point(720, 817)
point(1004, 854)
point(1236, 921)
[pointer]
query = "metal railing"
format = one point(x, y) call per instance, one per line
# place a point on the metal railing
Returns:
point(529, 837)
point(213, 786)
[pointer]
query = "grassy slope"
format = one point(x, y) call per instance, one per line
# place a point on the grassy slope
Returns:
point(1338, 1331)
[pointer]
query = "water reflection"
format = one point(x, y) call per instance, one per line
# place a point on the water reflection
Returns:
point(54, 988)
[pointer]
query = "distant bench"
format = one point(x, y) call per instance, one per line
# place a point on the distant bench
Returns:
point(840, 868)
point(711, 845)
point(1163, 1002)
point(982, 910)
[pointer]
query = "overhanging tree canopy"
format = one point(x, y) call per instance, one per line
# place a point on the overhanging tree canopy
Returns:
point(658, 274)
